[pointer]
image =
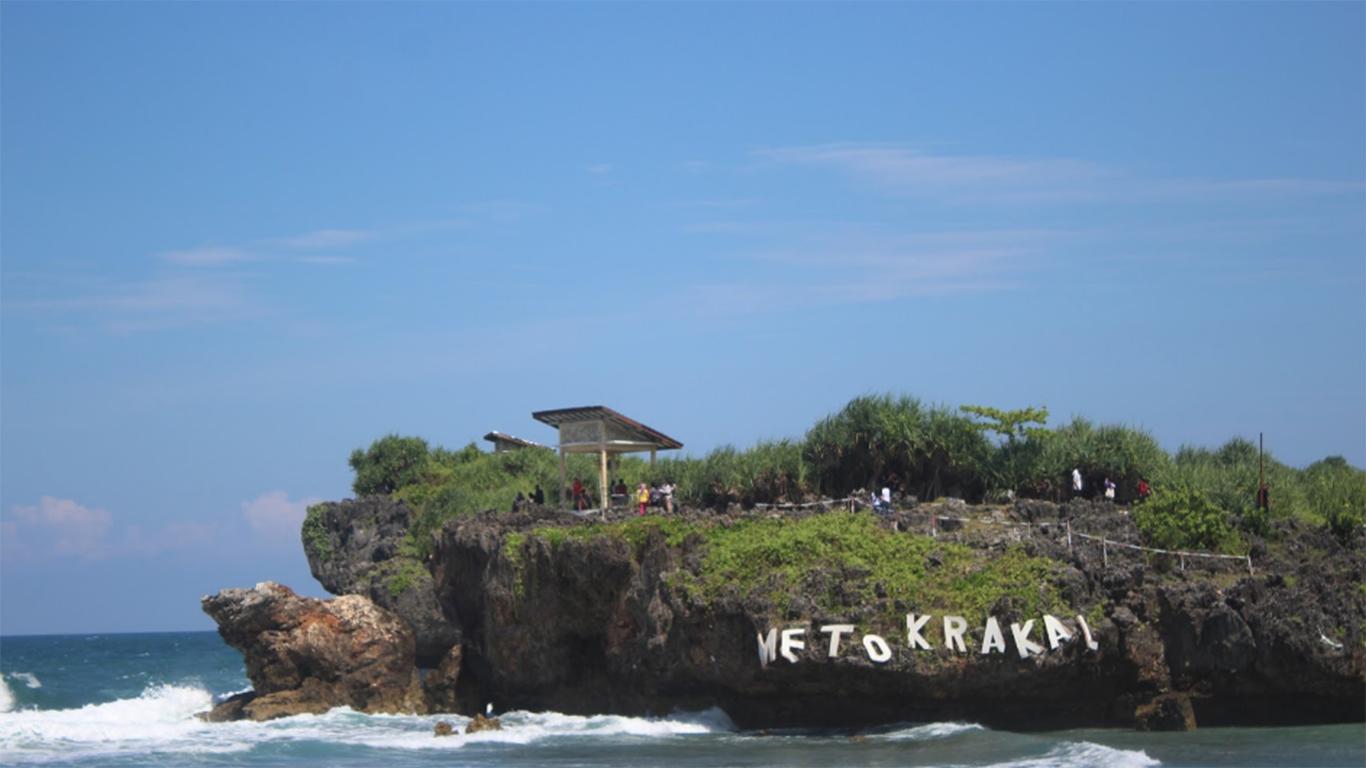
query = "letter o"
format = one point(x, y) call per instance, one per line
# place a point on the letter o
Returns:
point(878, 650)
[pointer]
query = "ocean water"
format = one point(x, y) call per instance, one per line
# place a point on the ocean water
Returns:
point(129, 700)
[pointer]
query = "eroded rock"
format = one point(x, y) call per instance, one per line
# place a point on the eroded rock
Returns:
point(305, 655)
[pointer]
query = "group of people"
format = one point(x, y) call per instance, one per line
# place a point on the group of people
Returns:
point(536, 497)
point(643, 496)
point(1078, 486)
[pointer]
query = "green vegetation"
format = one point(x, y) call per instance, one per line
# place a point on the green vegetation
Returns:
point(402, 574)
point(315, 533)
point(779, 561)
point(1179, 517)
point(390, 463)
point(927, 451)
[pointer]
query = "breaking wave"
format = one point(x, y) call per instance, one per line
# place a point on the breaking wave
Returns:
point(162, 720)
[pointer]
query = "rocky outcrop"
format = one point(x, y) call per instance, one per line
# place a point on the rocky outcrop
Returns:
point(553, 612)
point(366, 547)
point(305, 655)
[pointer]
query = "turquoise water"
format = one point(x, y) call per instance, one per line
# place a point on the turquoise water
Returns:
point(129, 700)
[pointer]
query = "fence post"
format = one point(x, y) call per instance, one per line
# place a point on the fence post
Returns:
point(934, 526)
point(1069, 537)
point(1249, 565)
point(1183, 562)
point(1105, 551)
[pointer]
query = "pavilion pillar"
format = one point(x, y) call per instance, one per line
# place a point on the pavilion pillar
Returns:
point(606, 492)
point(563, 486)
point(652, 457)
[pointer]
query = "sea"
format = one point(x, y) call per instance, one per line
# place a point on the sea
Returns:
point(131, 699)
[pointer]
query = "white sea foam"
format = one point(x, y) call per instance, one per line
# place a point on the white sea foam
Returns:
point(6, 696)
point(29, 679)
point(1085, 754)
point(926, 732)
point(162, 721)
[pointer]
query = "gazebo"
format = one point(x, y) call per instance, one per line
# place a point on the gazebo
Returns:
point(601, 430)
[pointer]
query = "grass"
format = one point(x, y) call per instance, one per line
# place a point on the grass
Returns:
point(843, 561)
point(402, 574)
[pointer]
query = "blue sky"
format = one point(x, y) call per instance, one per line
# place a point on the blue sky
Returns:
point(239, 240)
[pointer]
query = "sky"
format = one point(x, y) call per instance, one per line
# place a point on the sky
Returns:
point(239, 240)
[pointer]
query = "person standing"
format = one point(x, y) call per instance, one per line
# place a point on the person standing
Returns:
point(578, 494)
point(1076, 482)
point(642, 498)
point(538, 496)
point(668, 491)
point(886, 499)
point(1109, 489)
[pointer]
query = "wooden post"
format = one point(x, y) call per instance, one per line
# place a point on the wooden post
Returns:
point(605, 490)
point(1105, 551)
point(1069, 537)
point(652, 458)
point(563, 484)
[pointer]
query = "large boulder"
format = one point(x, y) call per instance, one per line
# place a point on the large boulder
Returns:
point(309, 655)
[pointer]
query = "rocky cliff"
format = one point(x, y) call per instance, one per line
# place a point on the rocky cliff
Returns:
point(840, 619)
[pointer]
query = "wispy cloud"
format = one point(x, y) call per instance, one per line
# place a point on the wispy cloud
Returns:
point(208, 256)
point(851, 268)
point(325, 239)
point(906, 170)
point(599, 169)
point(162, 301)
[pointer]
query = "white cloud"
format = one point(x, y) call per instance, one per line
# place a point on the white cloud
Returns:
point(273, 516)
point(850, 267)
point(58, 526)
point(599, 169)
point(969, 178)
point(325, 238)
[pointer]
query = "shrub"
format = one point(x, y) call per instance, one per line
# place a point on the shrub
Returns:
point(1180, 517)
point(1336, 492)
point(390, 463)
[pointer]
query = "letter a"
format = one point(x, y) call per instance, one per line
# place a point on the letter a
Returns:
point(768, 647)
point(992, 640)
point(1057, 633)
point(913, 627)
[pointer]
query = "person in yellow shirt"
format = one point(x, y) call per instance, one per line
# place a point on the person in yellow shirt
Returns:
point(642, 497)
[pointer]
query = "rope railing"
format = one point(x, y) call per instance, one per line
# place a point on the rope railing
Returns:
point(1105, 542)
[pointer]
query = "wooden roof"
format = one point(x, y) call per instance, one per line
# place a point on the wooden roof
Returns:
point(595, 412)
point(502, 437)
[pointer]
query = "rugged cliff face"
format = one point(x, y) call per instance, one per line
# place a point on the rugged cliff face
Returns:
point(544, 611)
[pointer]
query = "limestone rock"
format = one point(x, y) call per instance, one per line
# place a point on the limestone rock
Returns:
point(481, 723)
point(308, 655)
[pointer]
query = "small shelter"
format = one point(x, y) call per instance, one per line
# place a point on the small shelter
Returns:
point(505, 442)
point(601, 430)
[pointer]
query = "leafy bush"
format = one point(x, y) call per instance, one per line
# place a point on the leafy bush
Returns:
point(1336, 492)
point(390, 463)
point(1183, 518)
point(1123, 454)
point(884, 440)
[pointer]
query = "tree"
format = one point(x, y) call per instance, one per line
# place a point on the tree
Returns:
point(390, 463)
point(1010, 466)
